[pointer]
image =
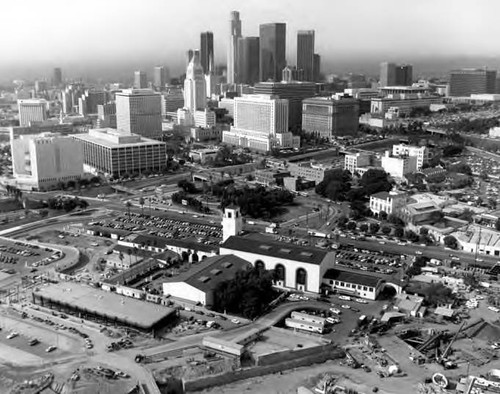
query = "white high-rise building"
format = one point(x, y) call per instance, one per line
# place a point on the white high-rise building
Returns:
point(42, 161)
point(399, 166)
point(195, 89)
point(32, 110)
point(138, 111)
point(260, 123)
point(232, 53)
point(261, 113)
point(420, 152)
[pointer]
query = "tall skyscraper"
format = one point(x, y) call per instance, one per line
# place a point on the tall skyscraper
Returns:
point(88, 102)
point(160, 77)
point(469, 81)
point(57, 77)
point(305, 53)
point(32, 110)
point(195, 91)
point(317, 67)
point(207, 52)
point(140, 80)
point(138, 111)
point(272, 51)
point(248, 56)
point(232, 54)
point(392, 74)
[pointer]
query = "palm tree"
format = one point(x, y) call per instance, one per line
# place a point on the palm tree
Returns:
point(141, 203)
point(128, 204)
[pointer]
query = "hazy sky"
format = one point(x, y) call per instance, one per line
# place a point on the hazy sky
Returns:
point(143, 32)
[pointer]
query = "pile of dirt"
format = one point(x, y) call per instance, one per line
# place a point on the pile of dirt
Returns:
point(489, 332)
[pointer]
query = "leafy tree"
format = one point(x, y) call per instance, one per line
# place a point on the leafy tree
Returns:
point(395, 220)
point(437, 293)
point(386, 230)
point(187, 186)
point(351, 226)
point(399, 232)
point(413, 271)
point(335, 185)
point(412, 235)
point(374, 227)
point(342, 222)
point(451, 242)
point(363, 227)
point(382, 215)
point(374, 181)
point(424, 231)
point(247, 294)
point(497, 225)
point(452, 150)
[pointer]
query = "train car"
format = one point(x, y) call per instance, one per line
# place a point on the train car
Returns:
point(305, 326)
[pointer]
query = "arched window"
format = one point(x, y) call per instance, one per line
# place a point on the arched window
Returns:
point(259, 264)
point(301, 276)
point(279, 272)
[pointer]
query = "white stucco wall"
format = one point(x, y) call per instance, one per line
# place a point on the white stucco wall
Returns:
point(314, 271)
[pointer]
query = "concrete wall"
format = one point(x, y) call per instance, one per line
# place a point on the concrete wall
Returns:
point(289, 355)
point(185, 291)
point(233, 376)
point(291, 267)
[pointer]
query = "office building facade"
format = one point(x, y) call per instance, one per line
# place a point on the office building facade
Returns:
point(160, 77)
point(232, 54)
point(106, 115)
point(248, 57)
point(31, 111)
point(140, 80)
point(260, 123)
point(138, 111)
point(88, 102)
point(195, 90)
point(272, 51)
point(392, 74)
point(207, 51)
point(305, 54)
point(420, 152)
point(469, 81)
point(111, 152)
point(294, 92)
point(57, 77)
point(330, 117)
point(43, 161)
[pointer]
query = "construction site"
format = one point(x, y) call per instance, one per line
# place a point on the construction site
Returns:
point(469, 345)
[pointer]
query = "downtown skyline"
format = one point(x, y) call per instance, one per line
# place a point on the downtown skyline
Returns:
point(102, 34)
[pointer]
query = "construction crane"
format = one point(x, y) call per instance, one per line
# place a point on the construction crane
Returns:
point(442, 360)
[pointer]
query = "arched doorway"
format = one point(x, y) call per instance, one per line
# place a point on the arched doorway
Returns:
point(301, 279)
point(279, 275)
point(259, 265)
point(195, 258)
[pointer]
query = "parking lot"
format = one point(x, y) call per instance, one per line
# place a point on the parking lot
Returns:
point(17, 256)
point(209, 234)
point(370, 260)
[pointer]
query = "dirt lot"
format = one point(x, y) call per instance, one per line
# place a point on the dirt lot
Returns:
point(287, 382)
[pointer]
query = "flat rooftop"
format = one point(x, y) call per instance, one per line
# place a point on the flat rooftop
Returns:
point(304, 254)
point(134, 312)
point(278, 339)
point(111, 138)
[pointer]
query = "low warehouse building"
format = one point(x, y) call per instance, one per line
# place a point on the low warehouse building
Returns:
point(198, 283)
point(353, 283)
point(105, 306)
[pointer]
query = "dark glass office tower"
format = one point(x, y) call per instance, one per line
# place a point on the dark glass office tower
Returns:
point(207, 51)
point(305, 53)
point(272, 51)
point(248, 57)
